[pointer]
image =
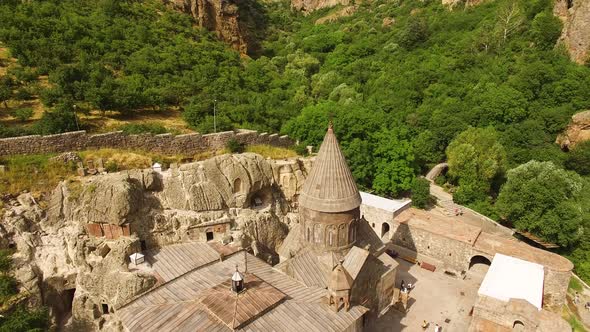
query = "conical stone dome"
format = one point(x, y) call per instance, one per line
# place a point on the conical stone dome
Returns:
point(340, 279)
point(330, 186)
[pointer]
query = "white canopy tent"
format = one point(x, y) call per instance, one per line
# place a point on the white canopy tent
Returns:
point(513, 278)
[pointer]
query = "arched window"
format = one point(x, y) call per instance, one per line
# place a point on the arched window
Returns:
point(518, 326)
point(308, 238)
point(317, 233)
point(237, 185)
point(351, 232)
point(384, 229)
point(331, 230)
point(342, 235)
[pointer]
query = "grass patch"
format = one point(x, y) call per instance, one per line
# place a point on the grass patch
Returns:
point(575, 285)
point(271, 152)
point(35, 173)
point(38, 174)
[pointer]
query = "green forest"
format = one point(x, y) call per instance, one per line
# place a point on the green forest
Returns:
point(408, 84)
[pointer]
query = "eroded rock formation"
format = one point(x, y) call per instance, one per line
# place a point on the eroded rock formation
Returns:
point(220, 16)
point(63, 263)
point(577, 131)
point(575, 15)
point(308, 6)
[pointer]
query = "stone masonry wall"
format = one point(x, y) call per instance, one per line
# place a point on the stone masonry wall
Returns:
point(455, 257)
point(164, 143)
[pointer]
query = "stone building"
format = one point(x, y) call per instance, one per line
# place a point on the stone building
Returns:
point(329, 202)
point(332, 236)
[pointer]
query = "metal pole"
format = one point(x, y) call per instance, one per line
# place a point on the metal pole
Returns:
point(76, 116)
point(214, 116)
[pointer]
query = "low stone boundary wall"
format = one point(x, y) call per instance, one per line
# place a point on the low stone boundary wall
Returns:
point(164, 143)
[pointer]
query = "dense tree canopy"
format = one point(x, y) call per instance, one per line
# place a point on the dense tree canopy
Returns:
point(544, 199)
point(475, 159)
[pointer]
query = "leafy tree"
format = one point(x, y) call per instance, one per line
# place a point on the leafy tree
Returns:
point(421, 193)
point(510, 20)
point(475, 159)
point(579, 159)
point(60, 120)
point(5, 90)
point(23, 114)
point(543, 199)
point(546, 29)
point(499, 104)
point(234, 146)
point(394, 162)
point(415, 32)
point(25, 320)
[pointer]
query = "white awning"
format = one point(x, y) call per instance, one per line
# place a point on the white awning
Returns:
point(513, 278)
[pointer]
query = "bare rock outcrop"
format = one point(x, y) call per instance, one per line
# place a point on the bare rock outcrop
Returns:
point(467, 3)
point(575, 15)
point(577, 131)
point(72, 249)
point(220, 16)
point(308, 6)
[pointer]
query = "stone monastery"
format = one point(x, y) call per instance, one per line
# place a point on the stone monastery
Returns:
point(336, 269)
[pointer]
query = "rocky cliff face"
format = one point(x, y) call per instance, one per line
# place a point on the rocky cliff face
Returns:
point(577, 131)
point(575, 15)
point(220, 16)
point(63, 263)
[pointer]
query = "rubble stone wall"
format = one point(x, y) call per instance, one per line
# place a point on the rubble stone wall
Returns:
point(164, 143)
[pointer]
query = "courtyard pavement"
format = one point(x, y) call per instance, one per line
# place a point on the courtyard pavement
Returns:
point(437, 297)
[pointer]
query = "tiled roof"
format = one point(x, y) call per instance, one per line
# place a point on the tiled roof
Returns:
point(330, 186)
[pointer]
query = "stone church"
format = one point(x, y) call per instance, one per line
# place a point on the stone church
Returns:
point(333, 243)
point(333, 272)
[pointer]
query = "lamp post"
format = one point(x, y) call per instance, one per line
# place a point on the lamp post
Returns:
point(214, 115)
point(76, 116)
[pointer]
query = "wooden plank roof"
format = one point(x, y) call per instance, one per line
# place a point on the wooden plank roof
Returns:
point(176, 305)
point(236, 310)
point(354, 261)
point(307, 268)
point(291, 244)
point(309, 317)
point(367, 238)
point(172, 261)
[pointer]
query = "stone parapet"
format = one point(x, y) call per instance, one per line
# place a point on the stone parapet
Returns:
point(163, 143)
